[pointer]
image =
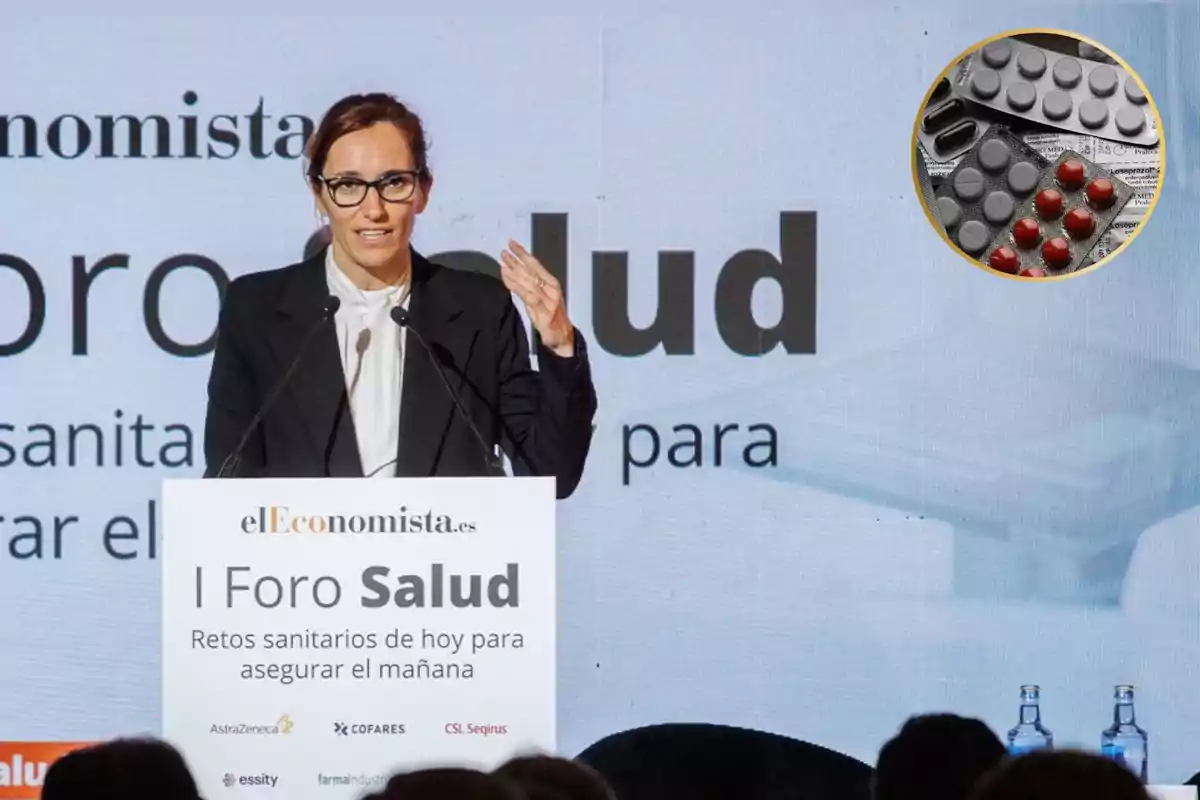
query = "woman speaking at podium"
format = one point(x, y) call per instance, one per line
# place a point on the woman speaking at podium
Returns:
point(367, 360)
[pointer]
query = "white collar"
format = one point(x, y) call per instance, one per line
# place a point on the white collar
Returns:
point(341, 285)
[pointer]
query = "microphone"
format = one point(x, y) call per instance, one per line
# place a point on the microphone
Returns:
point(401, 317)
point(231, 463)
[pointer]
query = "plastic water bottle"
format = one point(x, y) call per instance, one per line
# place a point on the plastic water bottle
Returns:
point(1030, 734)
point(1124, 741)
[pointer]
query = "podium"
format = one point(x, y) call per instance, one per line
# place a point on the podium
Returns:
point(321, 634)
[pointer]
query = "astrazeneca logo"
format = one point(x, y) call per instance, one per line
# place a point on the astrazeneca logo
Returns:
point(263, 779)
point(369, 729)
point(282, 727)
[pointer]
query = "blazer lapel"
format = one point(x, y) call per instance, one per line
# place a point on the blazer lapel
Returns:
point(426, 410)
point(318, 385)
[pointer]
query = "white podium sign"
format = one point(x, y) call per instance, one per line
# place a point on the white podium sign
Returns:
point(321, 634)
point(1172, 792)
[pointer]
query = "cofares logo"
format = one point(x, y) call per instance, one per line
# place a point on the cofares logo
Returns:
point(282, 727)
point(23, 766)
point(262, 779)
point(361, 780)
point(369, 729)
point(472, 729)
point(280, 520)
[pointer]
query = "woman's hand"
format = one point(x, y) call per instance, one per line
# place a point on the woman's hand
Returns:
point(542, 295)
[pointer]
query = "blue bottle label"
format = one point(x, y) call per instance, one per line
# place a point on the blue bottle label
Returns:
point(1115, 752)
point(1020, 750)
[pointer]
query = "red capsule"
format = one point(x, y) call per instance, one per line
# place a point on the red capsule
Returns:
point(1026, 233)
point(1004, 259)
point(1049, 203)
point(1056, 252)
point(1100, 192)
point(1071, 174)
point(1079, 223)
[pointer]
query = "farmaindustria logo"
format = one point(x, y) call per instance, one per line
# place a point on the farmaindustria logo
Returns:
point(361, 780)
point(282, 727)
point(369, 729)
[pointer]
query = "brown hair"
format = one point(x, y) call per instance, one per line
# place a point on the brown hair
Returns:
point(443, 782)
point(1054, 774)
point(935, 757)
point(358, 111)
point(121, 769)
point(544, 777)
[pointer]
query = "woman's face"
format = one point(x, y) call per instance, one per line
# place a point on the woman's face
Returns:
point(372, 225)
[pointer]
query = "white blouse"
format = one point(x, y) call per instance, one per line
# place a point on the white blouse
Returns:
point(372, 349)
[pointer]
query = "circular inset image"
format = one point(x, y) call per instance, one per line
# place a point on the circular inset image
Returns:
point(1038, 154)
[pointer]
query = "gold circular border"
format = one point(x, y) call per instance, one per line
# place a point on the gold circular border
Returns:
point(940, 229)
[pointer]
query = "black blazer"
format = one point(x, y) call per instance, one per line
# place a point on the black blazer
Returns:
point(542, 419)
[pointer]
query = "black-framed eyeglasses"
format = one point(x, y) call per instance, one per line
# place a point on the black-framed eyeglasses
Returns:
point(394, 187)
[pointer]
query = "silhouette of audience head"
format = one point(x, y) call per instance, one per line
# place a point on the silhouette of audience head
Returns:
point(447, 783)
point(1055, 774)
point(123, 769)
point(936, 757)
point(545, 777)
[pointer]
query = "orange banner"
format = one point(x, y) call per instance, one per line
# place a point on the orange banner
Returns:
point(23, 766)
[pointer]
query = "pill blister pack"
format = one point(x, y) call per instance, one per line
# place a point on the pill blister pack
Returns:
point(978, 199)
point(950, 125)
point(925, 182)
point(1054, 231)
point(1059, 91)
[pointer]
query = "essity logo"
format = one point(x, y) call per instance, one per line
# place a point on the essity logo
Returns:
point(282, 727)
point(361, 780)
point(264, 779)
point(369, 729)
point(23, 766)
point(471, 729)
